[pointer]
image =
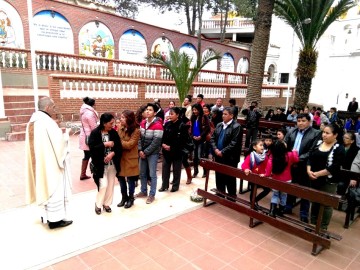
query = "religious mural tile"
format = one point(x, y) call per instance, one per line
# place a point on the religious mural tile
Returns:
point(132, 46)
point(190, 50)
point(52, 33)
point(96, 40)
point(11, 28)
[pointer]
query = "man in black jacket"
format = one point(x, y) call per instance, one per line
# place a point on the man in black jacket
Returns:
point(353, 105)
point(226, 142)
point(253, 115)
point(302, 138)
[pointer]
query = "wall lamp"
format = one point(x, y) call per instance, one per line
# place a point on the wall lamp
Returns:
point(52, 13)
point(97, 23)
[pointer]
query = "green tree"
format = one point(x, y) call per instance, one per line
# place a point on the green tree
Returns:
point(322, 14)
point(125, 8)
point(190, 7)
point(259, 50)
point(179, 65)
point(246, 8)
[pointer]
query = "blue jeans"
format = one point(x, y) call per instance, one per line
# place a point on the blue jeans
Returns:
point(130, 182)
point(150, 161)
point(198, 150)
point(279, 196)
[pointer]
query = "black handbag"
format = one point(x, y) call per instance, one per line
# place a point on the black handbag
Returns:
point(354, 195)
point(93, 168)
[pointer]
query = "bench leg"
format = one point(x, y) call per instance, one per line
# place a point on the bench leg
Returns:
point(347, 217)
point(316, 249)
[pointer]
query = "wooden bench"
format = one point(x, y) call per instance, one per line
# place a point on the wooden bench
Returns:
point(351, 213)
point(263, 125)
point(319, 238)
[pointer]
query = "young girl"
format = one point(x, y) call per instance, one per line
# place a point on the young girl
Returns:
point(259, 163)
point(282, 161)
point(268, 143)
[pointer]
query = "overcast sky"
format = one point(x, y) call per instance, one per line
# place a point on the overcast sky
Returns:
point(170, 19)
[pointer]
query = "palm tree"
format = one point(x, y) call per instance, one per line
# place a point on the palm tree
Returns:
point(259, 51)
point(179, 65)
point(322, 14)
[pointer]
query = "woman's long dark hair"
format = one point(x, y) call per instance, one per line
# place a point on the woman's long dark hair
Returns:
point(130, 121)
point(279, 151)
point(105, 118)
point(139, 112)
point(198, 107)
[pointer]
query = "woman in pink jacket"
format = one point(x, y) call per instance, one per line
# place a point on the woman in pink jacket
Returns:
point(89, 118)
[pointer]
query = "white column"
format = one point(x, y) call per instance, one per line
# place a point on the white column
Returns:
point(33, 56)
point(2, 109)
point(234, 37)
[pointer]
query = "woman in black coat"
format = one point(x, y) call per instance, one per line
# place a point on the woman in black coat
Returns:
point(200, 127)
point(105, 151)
point(351, 150)
point(173, 141)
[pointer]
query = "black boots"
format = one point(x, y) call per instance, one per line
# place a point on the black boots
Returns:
point(130, 201)
point(281, 211)
point(196, 171)
point(124, 200)
point(272, 212)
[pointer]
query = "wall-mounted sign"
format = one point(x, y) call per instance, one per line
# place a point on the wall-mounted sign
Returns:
point(96, 40)
point(132, 46)
point(52, 33)
point(162, 46)
point(227, 63)
point(11, 28)
point(190, 50)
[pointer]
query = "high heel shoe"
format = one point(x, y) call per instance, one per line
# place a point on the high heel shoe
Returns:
point(97, 210)
point(163, 189)
point(107, 209)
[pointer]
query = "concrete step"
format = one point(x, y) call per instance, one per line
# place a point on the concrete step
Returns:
point(18, 105)
point(18, 127)
point(19, 119)
point(15, 136)
point(19, 111)
point(19, 99)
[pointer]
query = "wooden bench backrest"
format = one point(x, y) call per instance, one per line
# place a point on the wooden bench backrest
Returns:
point(310, 194)
point(268, 124)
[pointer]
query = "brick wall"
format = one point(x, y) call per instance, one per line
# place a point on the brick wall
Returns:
point(79, 16)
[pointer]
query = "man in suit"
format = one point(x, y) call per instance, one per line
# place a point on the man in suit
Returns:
point(353, 106)
point(302, 138)
point(226, 142)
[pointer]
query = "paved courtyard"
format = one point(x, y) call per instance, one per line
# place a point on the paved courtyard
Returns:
point(171, 233)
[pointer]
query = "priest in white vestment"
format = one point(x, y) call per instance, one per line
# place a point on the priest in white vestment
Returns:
point(48, 181)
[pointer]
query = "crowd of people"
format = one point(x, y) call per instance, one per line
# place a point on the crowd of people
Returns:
point(127, 149)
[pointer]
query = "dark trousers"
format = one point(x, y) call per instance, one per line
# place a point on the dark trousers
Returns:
point(225, 182)
point(86, 155)
point(166, 167)
point(251, 135)
point(328, 210)
point(299, 176)
point(130, 182)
